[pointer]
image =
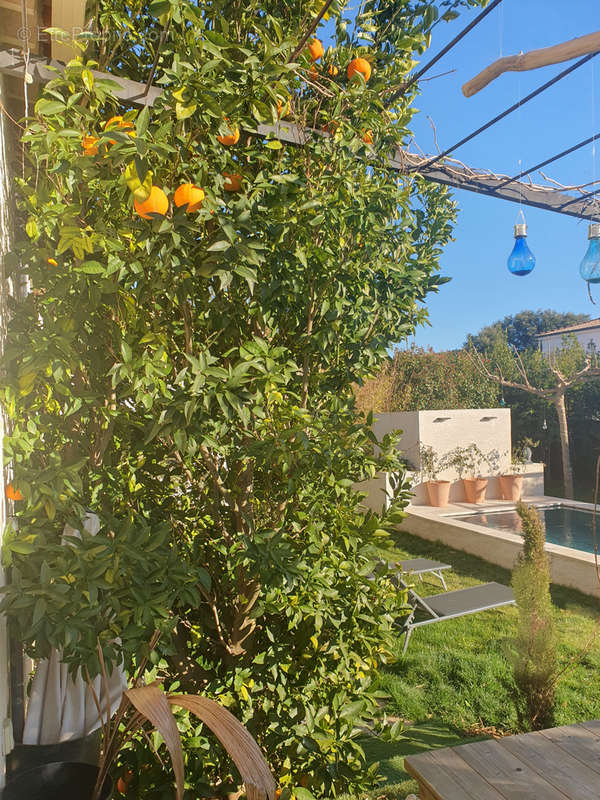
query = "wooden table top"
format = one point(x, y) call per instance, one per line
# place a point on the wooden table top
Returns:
point(555, 764)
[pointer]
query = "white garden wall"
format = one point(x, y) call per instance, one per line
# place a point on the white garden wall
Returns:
point(488, 428)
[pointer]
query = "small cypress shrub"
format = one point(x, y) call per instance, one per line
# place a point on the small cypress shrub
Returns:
point(535, 665)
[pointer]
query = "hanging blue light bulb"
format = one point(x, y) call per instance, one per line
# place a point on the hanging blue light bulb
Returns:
point(589, 269)
point(521, 261)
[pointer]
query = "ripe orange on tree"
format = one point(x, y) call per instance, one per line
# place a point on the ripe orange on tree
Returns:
point(283, 110)
point(359, 65)
point(123, 124)
point(330, 127)
point(119, 122)
point(315, 48)
point(12, 493)
point(52, 261)
point(367, 137)
point(332, 70)
point(90, 145)
point(230, 139)
point(155, 204)
point(124, 781)
point(190, 196)
point(233, 182)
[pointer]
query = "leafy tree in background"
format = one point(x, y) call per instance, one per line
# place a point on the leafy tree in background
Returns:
point(415, 379)
point(188, 377)
point(521, 329)
point(546, 377)
point(532, 415)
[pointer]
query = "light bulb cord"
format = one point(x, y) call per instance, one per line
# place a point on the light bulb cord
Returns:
point(520, 162)
point(594, 196)
point(593, 93)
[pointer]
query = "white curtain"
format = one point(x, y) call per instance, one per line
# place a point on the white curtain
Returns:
point(59, 707)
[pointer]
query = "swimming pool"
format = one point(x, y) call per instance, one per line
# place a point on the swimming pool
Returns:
point(570, 527)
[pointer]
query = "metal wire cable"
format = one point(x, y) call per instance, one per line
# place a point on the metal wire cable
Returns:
point(508, 111)
point(545, 163)
point(442, 52)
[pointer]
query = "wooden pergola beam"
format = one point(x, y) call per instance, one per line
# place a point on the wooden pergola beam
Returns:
point(42, 70)
point(565, 51)
point(443, 171)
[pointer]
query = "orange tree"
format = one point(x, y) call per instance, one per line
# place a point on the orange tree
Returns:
point(183, 367)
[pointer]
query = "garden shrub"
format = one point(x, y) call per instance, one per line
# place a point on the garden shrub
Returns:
point(535, 667)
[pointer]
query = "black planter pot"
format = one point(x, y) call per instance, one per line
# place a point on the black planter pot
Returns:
point(63, 780)
point(24, 757)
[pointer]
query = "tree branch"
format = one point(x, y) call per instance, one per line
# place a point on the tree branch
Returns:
point(311, 29)
point(479, 364)
point(306, 364)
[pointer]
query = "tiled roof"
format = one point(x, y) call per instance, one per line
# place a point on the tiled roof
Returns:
point(593, 324)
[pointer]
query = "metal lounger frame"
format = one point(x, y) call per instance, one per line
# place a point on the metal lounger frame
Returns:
point(409, 625)
point(427, 567)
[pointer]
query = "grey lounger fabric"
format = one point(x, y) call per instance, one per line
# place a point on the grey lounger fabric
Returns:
point(421, 566)
point(450, 605)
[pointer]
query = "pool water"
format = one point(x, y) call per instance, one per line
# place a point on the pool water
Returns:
point(571, 527)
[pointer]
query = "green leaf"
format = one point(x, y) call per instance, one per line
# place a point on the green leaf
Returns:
point(24, 548)
point(91, 268)
point(159, 7)
point(143, 121)
point(88, 79)
point(248, 273)
point(183, 112)
point(31, 228)
point(138, 186)
point(47, 108)
point(302, 793)
point(217, 247)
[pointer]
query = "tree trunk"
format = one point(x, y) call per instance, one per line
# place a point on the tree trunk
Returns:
point(561, 412)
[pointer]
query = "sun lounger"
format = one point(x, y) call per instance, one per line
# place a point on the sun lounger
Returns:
point(450, 605)
point(422, 566)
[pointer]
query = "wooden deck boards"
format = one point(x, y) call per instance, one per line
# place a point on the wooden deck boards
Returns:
point(556, 764)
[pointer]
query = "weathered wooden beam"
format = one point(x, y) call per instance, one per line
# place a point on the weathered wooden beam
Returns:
point(528, 194)
point(11, 63)
point(590, 43)
point(465, 178)
point(43, 70)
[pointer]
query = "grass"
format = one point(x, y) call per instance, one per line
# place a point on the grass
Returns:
point(454, 681)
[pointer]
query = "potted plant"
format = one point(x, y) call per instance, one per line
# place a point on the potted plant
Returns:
point(431, 465)
point(141, 704)
point(468, 462)
point(94, 624)
point(511, 483)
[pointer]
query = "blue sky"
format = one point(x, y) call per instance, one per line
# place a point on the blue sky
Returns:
point(482, 290)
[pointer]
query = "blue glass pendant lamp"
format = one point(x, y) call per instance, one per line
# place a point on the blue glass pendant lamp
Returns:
point(521, 261)
point(589, 269)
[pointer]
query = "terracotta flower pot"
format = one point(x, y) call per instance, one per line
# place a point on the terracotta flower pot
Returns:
point(475, 489)
point(511, 487)
point(438, 492)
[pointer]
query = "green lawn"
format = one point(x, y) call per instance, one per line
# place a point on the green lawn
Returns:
point(454, 681)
